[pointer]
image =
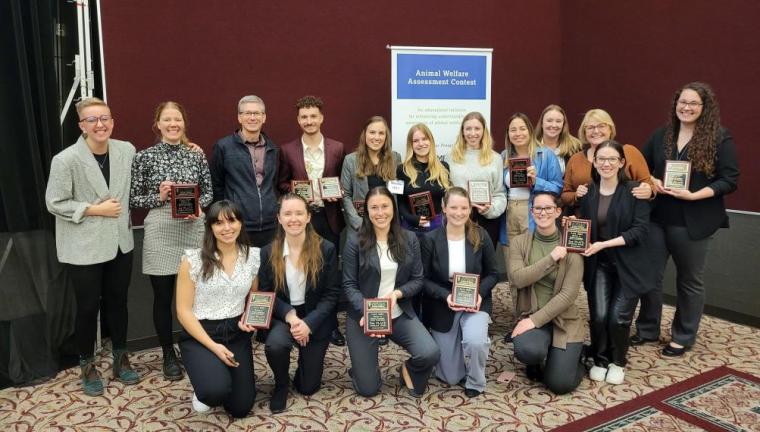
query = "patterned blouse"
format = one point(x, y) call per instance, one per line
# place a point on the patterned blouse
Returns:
point(172, 162)
point(222, 296)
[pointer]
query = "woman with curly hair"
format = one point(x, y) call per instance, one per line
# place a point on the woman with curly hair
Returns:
point(683, 220)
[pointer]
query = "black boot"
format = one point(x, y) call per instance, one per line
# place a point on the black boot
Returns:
point(172, 369)
point(336, 338)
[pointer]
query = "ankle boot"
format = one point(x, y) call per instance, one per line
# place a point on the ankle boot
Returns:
point(172, 369)
point(122, 370)
point(91, 382)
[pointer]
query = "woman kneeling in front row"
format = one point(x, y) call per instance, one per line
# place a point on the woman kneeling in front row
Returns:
point(549, 335)
point(302, 269)
point(460, 247)
point(387, 260)
point(212, 286)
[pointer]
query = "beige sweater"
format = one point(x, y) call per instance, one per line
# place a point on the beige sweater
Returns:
point(561, 310)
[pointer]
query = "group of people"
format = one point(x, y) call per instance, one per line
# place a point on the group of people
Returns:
point(258, 235)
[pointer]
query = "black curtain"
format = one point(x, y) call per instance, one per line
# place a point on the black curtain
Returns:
point(36, 303)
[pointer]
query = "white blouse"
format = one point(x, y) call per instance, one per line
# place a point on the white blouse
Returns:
point(457, 262)
point(388, 269)
point(222, 296)
point(295, 278)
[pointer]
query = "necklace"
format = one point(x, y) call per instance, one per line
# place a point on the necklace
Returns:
point(101, 164)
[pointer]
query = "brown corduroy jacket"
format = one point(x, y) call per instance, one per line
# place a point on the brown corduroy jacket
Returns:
point(561, 310)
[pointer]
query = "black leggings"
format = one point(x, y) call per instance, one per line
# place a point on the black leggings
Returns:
point(214, 382)
point(110, 281)
point(163, 291)
point(563, 370)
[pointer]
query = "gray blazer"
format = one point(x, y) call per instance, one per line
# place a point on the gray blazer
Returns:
point(75, 183)
point(355, 189)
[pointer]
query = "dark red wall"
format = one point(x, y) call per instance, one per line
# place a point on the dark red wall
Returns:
point(626, 57)
point(207, 55)
point(629, 58)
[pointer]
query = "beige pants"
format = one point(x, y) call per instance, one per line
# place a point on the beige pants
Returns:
point(517, 223)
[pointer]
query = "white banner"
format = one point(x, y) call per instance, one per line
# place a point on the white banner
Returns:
point(438, 86)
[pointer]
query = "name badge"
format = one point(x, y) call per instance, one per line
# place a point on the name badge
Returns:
point(396, 187)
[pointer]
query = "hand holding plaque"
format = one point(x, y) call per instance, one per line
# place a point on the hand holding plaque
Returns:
point(303, 188)
point(479, 191)
point(677, 175)
point(185, 200)
point(421, 204)
point(258, 310)
point(576, 235)
point(329, 187)
point(518, 172)
point(377, 316)
point(464, 290)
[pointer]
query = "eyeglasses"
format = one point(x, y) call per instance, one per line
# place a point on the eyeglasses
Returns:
point(600, 127)
point(91, 120)
point(251, 113)
point(607, 160)
point(690, 104)
point(547, 210)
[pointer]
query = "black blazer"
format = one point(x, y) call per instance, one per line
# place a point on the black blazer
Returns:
point(361, 275)
point(627, 216)
point(437, 285)
point(702, 217)
point(320, 301)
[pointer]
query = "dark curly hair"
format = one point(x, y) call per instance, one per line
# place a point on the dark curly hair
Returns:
point(704, 142)
point(309, 101)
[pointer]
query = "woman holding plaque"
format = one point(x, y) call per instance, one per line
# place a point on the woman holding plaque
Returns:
point(302, 269)
point(373, 164)
point(88, 193)
point(425, 181)
point(549, 334)
point(382, 262)
point(597, 127)
point(459, 329)
point(474, 164)
point(617, 268)
point(167, 234)
point(686, 215)
point(553, 132)
point(212, 286)
point(541, 172)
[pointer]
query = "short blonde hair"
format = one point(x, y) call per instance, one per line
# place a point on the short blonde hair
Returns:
point(598, 115)
point(88, 102)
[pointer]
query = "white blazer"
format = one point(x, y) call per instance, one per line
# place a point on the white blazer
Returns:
point(75, 183)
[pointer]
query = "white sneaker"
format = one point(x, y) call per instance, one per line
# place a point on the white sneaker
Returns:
point(597, 373)
point(199, 406)
point(615, 374)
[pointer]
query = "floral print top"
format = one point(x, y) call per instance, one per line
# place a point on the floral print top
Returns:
point(172, 162)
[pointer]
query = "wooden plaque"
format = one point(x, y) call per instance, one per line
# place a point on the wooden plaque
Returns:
point(303, 188)
point(518, 172)
point(360, 207)
point(464, 290)
point(677, 174)
point(421, 204)
point(479, 191)
point(185, 200)
point(377, 316)
point(258, 310)
point(329, 187)
point(576, 236)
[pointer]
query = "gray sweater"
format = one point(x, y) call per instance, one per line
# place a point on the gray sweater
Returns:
point(471, 169)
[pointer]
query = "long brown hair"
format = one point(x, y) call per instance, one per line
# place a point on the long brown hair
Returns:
point(209, 252)
point(704, 142)
point(472, 233)
point(386, 168)
point(532, 142)
point(170, 104)
point(309, 261)
point(367, 237)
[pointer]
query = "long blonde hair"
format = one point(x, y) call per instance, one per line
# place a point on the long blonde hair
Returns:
point(532, 142)
point(486, 143)
point(386, 168)
point(436, 171)
point(568, 144)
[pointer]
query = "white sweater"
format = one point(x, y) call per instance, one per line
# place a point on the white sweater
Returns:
point(471, 169)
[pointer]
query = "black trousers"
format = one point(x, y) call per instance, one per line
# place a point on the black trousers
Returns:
point(689, 257)
point(260, 239)
point(490, 225)
point(563, 369)
point(611, 309)
point(322, 226)
point(163, 292)
point(107, 281)
point(214, 382)
point(311, 358)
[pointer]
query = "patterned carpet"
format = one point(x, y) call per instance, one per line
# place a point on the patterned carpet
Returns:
point(520, 405)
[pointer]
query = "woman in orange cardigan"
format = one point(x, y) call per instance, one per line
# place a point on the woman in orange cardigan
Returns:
point(597, 126)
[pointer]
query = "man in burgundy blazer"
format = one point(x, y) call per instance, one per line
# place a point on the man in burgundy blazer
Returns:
point(312, 156)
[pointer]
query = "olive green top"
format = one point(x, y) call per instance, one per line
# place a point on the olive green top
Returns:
point(541, 247)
